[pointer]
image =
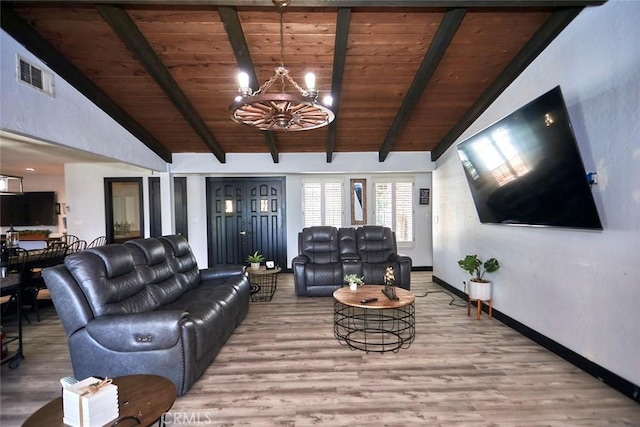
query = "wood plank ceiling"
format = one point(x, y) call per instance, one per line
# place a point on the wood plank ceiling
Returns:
point(405, 75)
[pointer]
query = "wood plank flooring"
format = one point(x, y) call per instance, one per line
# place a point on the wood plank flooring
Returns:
point(283, 367)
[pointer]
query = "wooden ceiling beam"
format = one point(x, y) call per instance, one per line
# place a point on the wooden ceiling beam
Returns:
point(357, 3)
point(446, 30)
point(339, 58)
point(122, 24)
point(232, 26)
point(540, 40)
point(21, 31)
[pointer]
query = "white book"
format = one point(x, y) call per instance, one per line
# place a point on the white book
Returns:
point(90, 402)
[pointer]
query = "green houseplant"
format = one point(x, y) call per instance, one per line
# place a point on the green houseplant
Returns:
point(477, 268)
point(353, 280)
point(255, 259)
point(479, 287)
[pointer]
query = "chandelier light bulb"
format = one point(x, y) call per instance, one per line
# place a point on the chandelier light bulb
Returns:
point(310, 80)
point(327, 100)
point(243, 81)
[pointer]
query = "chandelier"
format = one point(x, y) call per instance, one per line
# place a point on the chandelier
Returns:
point(281, 111)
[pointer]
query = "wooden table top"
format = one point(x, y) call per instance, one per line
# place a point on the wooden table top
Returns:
point(145, 397)
point(353, 298)
point(263, 270)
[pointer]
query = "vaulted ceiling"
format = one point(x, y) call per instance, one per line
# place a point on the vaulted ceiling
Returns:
point(405, 75)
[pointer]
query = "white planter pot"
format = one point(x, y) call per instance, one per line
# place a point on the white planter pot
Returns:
point(353, 286)
point(255, 265)
point(480, 290)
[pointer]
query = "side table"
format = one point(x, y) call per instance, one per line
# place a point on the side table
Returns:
point(263, 283)
point(142, 399)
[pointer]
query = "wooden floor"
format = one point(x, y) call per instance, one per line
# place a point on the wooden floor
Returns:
point(283, 367)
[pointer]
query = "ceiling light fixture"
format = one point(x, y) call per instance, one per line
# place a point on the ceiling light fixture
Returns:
point(281, 111)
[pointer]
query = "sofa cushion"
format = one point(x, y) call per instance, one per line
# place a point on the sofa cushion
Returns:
point(323, 274)
point(375, 244)
point(320, 244)
point(208, 309)
point(151, 260)
point(183, 261)
point(110, 281)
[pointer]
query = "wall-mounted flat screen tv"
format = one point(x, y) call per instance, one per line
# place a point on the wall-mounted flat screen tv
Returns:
point(31, 208)
point(526, 169)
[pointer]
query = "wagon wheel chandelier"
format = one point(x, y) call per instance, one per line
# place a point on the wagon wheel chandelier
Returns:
point(281, 111)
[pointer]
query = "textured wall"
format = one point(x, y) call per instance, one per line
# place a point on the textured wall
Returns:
point(67, 119)
point(579, 288)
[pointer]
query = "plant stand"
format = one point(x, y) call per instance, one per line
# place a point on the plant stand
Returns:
point(479, 292)
point(479, 305)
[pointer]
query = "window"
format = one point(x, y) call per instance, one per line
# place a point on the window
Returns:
point(322, 203)
point(394, 207)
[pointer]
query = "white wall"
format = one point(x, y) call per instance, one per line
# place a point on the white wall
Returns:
point(296, 167)
point(68, 118)
point(84, 187)
point(578, 288)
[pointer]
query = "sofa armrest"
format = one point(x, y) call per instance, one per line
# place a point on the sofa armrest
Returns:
point(404, 278)
point(153, 330)
point(221, 272)
point(400, 259)
point(300, 259)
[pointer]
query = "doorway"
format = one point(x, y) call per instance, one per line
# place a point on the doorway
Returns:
point(245, 215)
point(123, 209)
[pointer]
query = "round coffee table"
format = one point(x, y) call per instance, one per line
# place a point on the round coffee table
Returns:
point(378, 326)
point(142, 399)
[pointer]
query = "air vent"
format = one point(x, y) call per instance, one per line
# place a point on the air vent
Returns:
point(35, 76)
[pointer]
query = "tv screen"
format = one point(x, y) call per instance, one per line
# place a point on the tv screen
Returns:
point(526, 169)
point(31, 208)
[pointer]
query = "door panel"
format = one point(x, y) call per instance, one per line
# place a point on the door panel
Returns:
point(180, 206)
point(155, 209)
point(180, 202)
point(244, 216)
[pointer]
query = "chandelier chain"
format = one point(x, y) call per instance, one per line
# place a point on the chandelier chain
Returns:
point(281, 37)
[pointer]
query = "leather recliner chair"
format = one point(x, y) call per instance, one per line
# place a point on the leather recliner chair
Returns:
point(326, 255)
point(377, 249)
point(317, 269)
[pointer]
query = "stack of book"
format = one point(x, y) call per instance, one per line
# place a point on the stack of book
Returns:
point(90, 402)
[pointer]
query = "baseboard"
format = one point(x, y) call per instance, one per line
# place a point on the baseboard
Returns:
point(613, 380)
point(422, 268)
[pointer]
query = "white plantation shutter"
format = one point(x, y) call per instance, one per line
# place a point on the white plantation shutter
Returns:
point(394, 208)
point(322, 203)
point(404, 211)
point(333, 204)
point(312, 203)
point(384, 204)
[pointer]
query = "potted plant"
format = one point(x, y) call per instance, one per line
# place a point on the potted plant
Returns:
point(354, 281)
point(479, 288)
point(255, 259)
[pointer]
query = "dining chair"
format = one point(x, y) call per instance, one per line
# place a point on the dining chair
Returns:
point(16, 265)
point(36, 288)
point(76, 246)
point(98, 241)
point(69, 239)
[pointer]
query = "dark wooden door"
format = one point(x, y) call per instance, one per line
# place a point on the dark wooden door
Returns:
point(245, 215)
point(180, 205)
point(155, 209)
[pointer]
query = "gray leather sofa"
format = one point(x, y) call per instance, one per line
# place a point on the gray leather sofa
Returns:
point(144, 307)
point(327, 254)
